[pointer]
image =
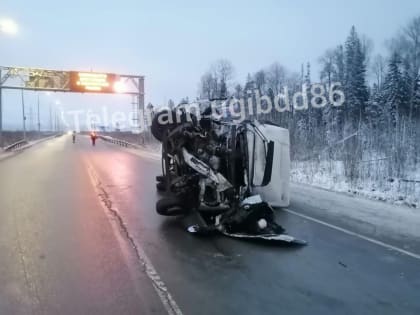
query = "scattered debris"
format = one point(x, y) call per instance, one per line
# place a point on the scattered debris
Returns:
point(342, 264)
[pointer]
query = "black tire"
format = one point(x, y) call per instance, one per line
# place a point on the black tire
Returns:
point(170, 206)
point(170, 121)
point(160, 178)
point(161, 186)
point(159, 130)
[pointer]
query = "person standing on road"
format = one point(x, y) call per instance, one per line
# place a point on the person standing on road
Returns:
point(93, 137)
point(74, 136)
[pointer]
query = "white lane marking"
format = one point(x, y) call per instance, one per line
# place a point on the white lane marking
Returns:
point(160, 287)
point(366, 238)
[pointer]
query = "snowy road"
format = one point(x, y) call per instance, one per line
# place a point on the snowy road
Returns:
point(79, 235)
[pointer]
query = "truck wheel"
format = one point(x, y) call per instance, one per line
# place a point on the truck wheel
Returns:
point(170, 206)
point(159, 130)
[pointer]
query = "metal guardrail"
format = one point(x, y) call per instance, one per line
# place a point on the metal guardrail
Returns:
point(119, 142)
point(22, 143)
point(16, 145)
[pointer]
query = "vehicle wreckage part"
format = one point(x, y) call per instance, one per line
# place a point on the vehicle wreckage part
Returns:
point(199, 166)
point(245, 219)
point(161, 186)
point(251, 200)
point(282, 238)
point(202, 168)
point(200, 230)
point(160, 178)
point(277, 191)
point(216, 173)
point(170, 206)
point(262, 224)
point(163, 122)
point(268, 164)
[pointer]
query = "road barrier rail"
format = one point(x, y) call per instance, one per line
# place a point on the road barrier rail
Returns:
point(120, 142)
point(16, 146)
point(23, 144)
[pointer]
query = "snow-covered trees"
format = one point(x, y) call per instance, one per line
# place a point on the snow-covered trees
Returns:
point(375, 135)
point(355, 80)
point(404, 65)
point(395, 91)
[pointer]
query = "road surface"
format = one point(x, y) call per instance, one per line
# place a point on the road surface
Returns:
point(79, 235)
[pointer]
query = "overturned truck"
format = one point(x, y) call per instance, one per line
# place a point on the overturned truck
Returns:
point(228, 174)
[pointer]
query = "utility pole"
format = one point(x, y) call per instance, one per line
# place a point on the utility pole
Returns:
point(135, 107)
point(55, 120)
point(140, 104)
point(23, 117)
point(1, 113)
point(57, 117)
point(31, 119)
point(51, 121)
point(39, 120)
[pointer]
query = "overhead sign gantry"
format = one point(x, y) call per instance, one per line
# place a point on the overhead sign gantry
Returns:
point(70, 81)
point(35, 79)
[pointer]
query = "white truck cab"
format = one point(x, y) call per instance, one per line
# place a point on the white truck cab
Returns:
point(277, 191)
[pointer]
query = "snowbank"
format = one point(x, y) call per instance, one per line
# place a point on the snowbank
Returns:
point(330, 175)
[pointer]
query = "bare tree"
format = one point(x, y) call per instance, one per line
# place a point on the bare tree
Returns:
point(327, 66)
point(260, 80)
point(238, 91)
point(378, 69)
point(223, 70)
point(171, 104)
point(207, 85)
point(276, 77)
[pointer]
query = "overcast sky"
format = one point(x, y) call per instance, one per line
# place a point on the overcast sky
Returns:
point(173, 42)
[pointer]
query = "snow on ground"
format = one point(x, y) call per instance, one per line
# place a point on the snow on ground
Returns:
point(369, 217)
point(330, 175)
